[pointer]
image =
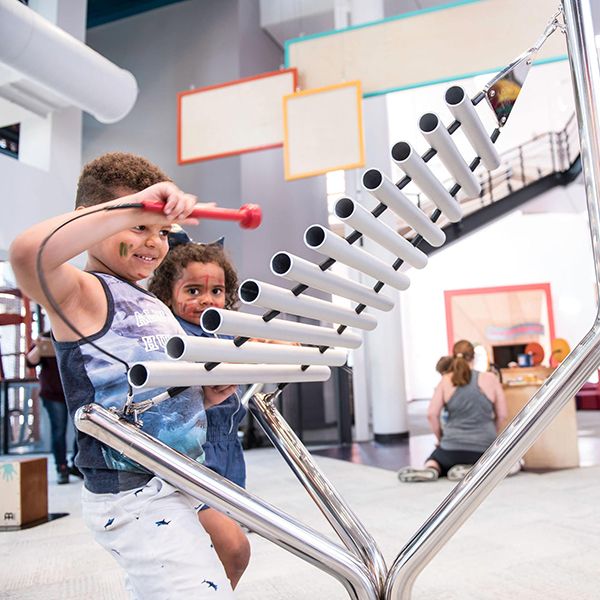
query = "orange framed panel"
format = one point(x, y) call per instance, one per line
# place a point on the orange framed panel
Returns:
point(323, 130)
point(232, 118)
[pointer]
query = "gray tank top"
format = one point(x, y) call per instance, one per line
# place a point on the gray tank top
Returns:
point(471, 419)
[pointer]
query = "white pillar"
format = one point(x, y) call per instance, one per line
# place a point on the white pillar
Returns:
point(384, 351)
point(379, 380)
point(358, 358)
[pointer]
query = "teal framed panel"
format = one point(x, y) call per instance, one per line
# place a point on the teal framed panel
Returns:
point(397, 53)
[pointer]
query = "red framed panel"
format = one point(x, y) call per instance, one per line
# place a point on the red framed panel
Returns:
point(449, 294)
point(264, 110)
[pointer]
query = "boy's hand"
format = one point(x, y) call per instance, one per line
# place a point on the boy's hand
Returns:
point(215, 394)
point(177, 204)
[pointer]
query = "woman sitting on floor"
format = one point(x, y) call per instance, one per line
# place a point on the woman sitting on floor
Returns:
point(476, 410)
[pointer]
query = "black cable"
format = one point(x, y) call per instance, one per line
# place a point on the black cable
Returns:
point(46, 291)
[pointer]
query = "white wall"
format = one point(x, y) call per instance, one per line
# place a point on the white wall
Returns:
point(194, 44)
point(497, 255)
point(31, 194)
point(521, 248)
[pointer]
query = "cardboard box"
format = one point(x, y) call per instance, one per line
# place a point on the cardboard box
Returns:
point(23, 491)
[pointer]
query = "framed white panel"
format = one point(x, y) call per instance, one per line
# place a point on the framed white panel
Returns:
point(232, 118)
point(323, 130)
point(436, 44)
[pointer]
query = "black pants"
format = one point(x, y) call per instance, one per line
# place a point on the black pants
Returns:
point(58, 415)
point(448, 458)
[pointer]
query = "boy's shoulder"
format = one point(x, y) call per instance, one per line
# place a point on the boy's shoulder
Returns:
point(85, 308)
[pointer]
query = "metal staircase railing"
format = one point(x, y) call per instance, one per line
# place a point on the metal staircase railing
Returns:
point(546, 154)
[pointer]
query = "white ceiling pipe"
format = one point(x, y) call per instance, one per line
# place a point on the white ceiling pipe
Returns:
point(437, 136)
point(51, 57)
point(416, 168)
point(154, 374)
point(229, 322)
point(265, 295)
point(324, 241)
point(362, 220)
point(384, 189)
point(203, 349)
point(297, 269)
point(462, 110)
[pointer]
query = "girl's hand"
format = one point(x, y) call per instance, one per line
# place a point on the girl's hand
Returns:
point(265, 341)
point(215, 394)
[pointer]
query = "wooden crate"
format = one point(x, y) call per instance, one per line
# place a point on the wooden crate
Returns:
point(23, 491)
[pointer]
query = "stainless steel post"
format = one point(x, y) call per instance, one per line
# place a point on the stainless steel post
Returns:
point(200, 482)
point(343, 520)
point(571, 374)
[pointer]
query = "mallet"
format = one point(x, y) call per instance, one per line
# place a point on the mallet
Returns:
point(249, 215)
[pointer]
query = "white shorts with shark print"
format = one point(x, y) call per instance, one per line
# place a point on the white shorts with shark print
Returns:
point(154, 534)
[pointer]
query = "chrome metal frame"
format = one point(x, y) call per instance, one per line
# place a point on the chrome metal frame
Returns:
point(340, 516)
point(361, 567)
point(572, 373)
point(200, 482)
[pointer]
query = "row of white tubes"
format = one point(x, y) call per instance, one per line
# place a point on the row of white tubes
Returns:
point(280, 363)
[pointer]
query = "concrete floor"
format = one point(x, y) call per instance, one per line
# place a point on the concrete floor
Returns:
point(536, 536)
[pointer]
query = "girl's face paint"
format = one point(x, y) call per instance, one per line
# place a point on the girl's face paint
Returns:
point(201, 285)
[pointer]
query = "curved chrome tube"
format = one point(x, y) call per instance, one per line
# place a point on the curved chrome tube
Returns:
point(202, 483)
point(345, 523)
point(571, 374)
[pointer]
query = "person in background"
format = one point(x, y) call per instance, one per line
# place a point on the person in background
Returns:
point(42, 355)
point(476, 412)
point(444, 365)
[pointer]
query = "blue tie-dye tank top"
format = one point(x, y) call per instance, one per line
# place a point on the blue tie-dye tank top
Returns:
point(136, 329)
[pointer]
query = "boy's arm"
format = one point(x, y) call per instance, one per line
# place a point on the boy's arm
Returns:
point(67, 283)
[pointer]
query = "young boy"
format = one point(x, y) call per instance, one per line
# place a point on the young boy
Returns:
point(149, 527)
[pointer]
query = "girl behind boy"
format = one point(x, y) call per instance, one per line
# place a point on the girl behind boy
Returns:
point(194, 277)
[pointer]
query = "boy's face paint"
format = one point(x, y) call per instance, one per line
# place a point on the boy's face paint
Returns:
point(132, 254)
point(201, 285)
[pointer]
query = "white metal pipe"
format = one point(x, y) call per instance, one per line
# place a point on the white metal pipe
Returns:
point(416, 168)
point(441, 141)
point(322, 240)
point(357, 216)
point(462, 109)
point(202, 349)
point(153, 374)
point(384, 189)
point(259, 293)
point(230, 322)
point(297, 269)
point(49, 56)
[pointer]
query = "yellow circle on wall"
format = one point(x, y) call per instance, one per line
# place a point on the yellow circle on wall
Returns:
point(560, 349)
